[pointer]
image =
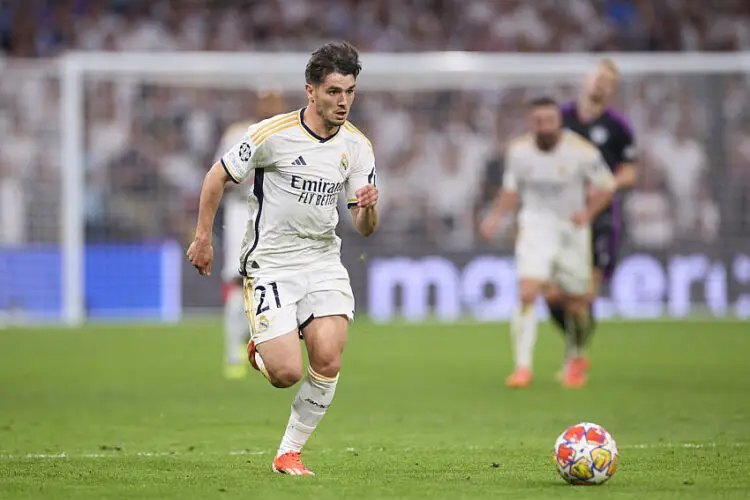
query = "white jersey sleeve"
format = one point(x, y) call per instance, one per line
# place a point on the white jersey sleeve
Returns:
point(245, 156)
point(231, 136)
point(361, 174)
point(511, 174)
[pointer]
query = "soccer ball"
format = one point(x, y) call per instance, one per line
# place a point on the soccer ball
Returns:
point(586, 454)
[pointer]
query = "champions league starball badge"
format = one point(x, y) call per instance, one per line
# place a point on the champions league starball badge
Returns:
point(245, 152)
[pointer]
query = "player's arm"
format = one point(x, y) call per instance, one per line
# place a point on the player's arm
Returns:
point(603, 184)
point(211, 193)
point(362, 192)
point(626, 175)
point(234, 166)
point(506, 199)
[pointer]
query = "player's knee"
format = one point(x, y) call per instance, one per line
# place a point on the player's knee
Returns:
point(285, 375)
point(528, 295)
point(528, 291)
point(553, 297)
point(576, 306)
point(326, 362)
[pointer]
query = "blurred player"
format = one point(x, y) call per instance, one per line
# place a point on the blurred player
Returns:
point(236, 328)
point(291, 263)
point(592, 117)
point(549, 170)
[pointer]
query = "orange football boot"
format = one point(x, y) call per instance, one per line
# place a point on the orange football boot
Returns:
point(519, 379)
point(576, 373)
point(291, 463)
point(585, 364)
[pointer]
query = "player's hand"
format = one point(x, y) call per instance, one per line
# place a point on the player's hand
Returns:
point(581, 218)
point(201, 255)
point(488, 228)
point(367, 196)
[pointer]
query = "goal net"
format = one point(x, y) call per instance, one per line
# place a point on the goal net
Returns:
point(135, 134)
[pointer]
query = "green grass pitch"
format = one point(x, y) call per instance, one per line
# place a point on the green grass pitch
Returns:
point(141, 411)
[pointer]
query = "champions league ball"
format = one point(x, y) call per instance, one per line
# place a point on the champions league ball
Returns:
point(586, 454)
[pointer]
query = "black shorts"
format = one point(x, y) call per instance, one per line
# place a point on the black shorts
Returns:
point(604, 243)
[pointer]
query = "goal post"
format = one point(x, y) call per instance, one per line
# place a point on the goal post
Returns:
point(72, 184)
point(407, 72)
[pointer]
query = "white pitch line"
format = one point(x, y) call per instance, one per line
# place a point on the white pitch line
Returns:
point(144, 454)
point(678, 445)
point(149, 454)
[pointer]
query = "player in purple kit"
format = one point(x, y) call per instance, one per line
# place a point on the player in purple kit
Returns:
point(592, 117)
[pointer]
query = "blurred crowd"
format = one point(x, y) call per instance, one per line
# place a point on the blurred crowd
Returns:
point(30, 28)
point(148, 145)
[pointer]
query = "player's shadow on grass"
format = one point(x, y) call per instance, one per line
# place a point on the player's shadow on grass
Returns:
point(555, 483)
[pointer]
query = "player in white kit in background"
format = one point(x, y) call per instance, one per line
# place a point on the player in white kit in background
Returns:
point(549, 171)
point(235, 215)
point(291, 260)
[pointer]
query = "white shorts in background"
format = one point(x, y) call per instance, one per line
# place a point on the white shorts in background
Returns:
point(562, 256)
point(235, 221)
point(281, 301)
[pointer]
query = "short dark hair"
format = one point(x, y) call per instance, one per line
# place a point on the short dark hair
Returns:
point(333, 57)
point(542, 102)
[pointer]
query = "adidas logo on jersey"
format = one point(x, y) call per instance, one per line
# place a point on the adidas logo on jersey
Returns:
point(299, 161)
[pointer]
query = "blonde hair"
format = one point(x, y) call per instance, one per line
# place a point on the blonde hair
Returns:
point(610, 65)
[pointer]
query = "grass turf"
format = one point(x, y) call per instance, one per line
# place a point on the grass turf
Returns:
point(143, 412)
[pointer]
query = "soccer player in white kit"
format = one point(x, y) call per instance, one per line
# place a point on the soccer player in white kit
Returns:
point(235, 215)
point(291, 263)
point(549, 170)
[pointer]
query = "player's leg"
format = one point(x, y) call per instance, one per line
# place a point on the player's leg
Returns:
point(602, 258)
point(573, 275)
point(325, 338)
point(534, 255)
point(556, 306)
point(271, 308)
point(523, 330)
point(553, 294)
point(604, 247)
point(578, 322)
point(236, 329)
point(280, 359)
point(583, 336)
point(324, 316)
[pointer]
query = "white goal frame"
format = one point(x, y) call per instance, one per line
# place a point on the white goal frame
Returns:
point(382, 71)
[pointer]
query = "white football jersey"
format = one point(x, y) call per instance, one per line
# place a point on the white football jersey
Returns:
point(552, 184)
point(298, 179)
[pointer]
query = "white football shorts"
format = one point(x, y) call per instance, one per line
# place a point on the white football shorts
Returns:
point(281, 301)
point(561, 256)
point(236, 216)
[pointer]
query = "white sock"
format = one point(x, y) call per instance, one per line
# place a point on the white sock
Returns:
point(310, 404)
point(235, 327)
point(523, 333)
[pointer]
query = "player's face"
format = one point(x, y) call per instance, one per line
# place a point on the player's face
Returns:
point(601, 85)
point(546, 123)
point(333, 98)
